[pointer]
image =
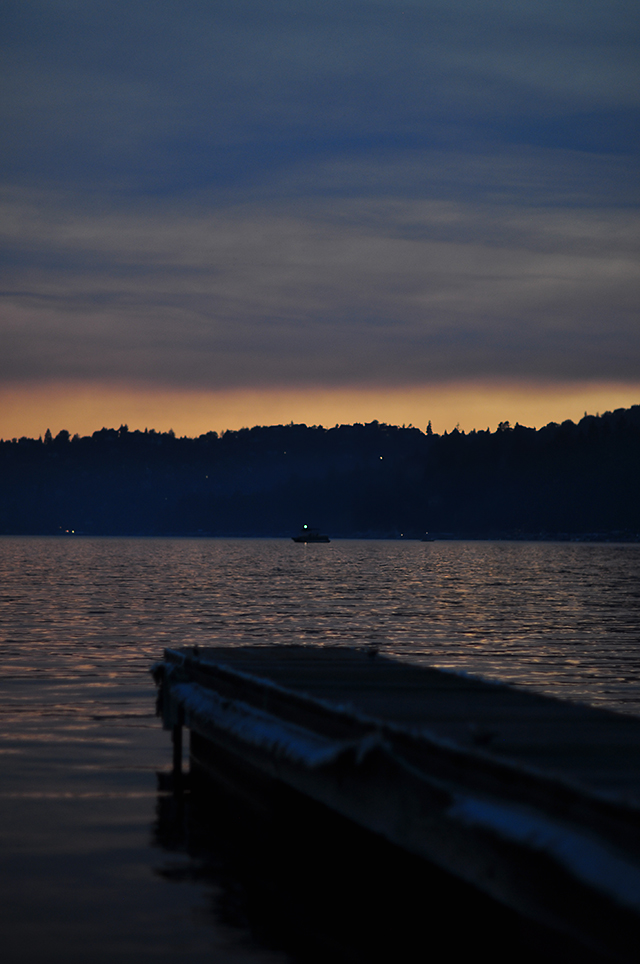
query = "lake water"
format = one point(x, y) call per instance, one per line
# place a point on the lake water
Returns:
point(82, 620)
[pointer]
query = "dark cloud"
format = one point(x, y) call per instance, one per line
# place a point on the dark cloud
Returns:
point(391, 290)
point(241, 193)
point(155, 93)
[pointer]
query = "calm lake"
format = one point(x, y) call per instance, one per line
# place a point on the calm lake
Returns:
point(84, 876)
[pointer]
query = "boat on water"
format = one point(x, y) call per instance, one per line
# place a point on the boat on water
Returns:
point(310, 534)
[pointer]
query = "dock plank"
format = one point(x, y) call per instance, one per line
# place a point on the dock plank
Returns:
point(592, 746)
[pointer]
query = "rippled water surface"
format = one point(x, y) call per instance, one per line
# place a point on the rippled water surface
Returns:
point(81, 620)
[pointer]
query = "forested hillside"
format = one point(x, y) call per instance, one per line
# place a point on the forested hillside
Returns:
point(370, 480)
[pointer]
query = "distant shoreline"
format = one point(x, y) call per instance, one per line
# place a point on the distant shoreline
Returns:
point(570, 482)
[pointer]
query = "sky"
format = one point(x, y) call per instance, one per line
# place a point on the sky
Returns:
point(218, 214)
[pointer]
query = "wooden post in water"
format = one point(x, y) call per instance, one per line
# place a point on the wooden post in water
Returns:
point(176, 736)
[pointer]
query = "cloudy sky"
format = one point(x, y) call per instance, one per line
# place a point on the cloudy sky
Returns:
point(238, 212)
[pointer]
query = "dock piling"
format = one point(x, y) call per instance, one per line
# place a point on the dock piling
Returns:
point(176, 736)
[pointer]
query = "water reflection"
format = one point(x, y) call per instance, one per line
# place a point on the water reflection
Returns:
point(563, 618)
point(81, 621)
point(306, 884)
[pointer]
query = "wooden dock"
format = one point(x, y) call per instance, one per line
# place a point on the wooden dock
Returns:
point(532, 800)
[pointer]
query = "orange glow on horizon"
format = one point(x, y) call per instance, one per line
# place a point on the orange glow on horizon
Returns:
point(83, 409)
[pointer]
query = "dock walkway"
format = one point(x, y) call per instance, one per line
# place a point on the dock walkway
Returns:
point(534, 801)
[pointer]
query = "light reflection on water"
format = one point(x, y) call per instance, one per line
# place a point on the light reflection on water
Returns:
point(561, 617)
point(81, 620)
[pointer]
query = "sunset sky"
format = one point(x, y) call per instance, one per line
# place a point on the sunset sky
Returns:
point(218, 214)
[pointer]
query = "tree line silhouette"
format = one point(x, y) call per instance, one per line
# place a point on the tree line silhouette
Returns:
point(373, 480)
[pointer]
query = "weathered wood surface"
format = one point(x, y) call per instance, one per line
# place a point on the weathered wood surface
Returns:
point(533, 800)
point(591, 746)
